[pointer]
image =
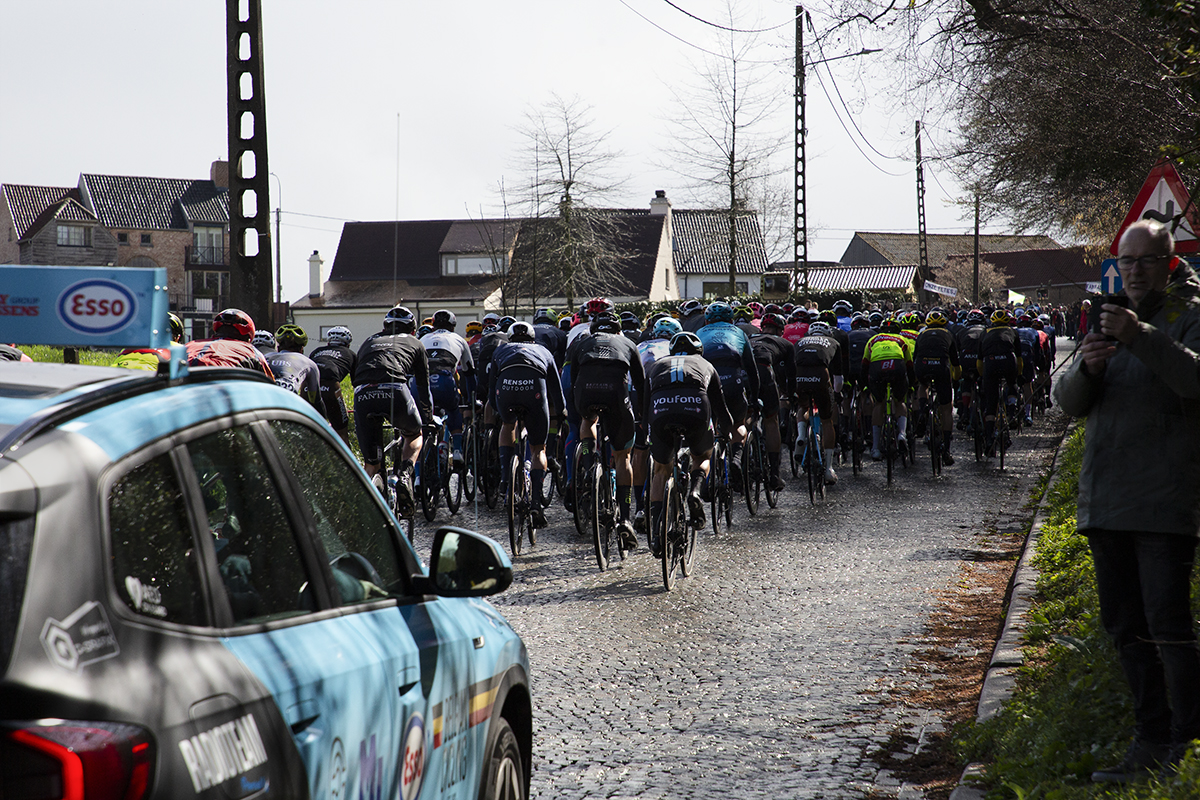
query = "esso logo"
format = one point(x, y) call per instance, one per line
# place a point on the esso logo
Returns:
point(97, 306)
point(412, 767)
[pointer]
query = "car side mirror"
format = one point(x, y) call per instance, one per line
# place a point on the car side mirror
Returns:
point(464, 563)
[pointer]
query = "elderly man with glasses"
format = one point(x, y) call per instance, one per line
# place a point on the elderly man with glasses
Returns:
point(1137, 380)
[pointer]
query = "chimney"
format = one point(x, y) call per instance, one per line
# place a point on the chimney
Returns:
point(219, 174)
point(660, 205)
point(314, 274)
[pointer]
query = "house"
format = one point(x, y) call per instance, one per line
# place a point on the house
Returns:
point(179, 224)
point(472, 267)
point(1055, 275)
point(904, 248)
point(701, 253)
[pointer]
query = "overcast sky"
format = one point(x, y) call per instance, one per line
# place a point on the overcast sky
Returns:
point(385, 109)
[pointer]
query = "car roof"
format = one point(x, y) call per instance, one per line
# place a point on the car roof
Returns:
point(123, 410)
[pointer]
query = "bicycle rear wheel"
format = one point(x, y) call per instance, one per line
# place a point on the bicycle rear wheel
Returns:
point(601, 513)
point(752, 475)
point(935, 439)
point(489, 469)
point(889, 445)
point(430, 484)
point(515, 506)
point(452, 484)
point(717, 476)
point(792, 432)
point(470, 473)
point(582, 487)
point(668, 533)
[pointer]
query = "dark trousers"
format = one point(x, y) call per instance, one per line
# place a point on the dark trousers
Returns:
point(1144, 586)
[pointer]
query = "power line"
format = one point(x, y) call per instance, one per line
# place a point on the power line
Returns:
point(695, 46)
point(722, 27)
point(849, 135)
point(315, 216)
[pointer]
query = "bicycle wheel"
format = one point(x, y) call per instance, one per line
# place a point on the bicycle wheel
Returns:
point(977, 429)
point(514, 506)
point(716, 476)
point(1002, 423)
point(452, 484)
point(889, 445)
point(764, 464)
point(469, 476)
point(858, 440)
point(429, 486)
point(752, 474)
point(686, 533)
point(819, 462)
point(582, 488)
point(668, 532)
point(935, 441)
point(792, 432)
point(489, 469)
point(601, 532)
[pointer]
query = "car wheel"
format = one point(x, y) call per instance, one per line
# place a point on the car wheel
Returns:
point(504, 775)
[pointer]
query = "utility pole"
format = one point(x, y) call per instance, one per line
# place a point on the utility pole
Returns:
point(800, 226)
point(975, 272)
point(249, 186)
point(922, 241)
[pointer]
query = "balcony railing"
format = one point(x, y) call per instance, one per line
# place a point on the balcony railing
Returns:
point(188, 305)
point(202, 256)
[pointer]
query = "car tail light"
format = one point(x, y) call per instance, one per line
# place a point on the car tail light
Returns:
point(71, 760)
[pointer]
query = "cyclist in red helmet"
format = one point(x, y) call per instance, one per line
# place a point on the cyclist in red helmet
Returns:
point(230, 346)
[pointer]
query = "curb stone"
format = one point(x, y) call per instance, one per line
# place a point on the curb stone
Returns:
point(1007, 656)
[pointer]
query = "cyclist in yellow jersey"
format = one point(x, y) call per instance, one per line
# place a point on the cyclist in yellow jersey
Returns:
point(888, 359)
point(148, 358)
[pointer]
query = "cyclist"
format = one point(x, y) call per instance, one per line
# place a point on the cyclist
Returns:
point(844, 313)
point(524, 384)
point(591, 309)
point(775, 358)
point(549, 335)
point(450, 364)
point(472, 333)
point(650, 350)
point(743, 317)
point(937, 356)
point(485, 327)
point(230, 346)
point(1029, 343)
point(999, 357)
point(603, 366)
point(818, 360)
point(968, 337)
point(293, 370)
point(335, 360)
point(887, 361)
point(265, 342)
point(691, 315)
point(492, 338)
point(386, 361)
point(797, 325)
point(683, 390)
point(729, 350)
point(148, 358)
point(631, 326)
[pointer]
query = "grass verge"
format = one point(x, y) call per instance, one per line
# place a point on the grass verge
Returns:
point(1070, 711)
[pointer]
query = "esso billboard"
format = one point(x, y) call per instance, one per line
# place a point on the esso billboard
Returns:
point(97, 306)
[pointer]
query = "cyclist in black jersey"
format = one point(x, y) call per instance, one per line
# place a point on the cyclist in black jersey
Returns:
point(967, 337)
point(386, 361)
point(776, 360)
point(293, 370)
point(818, 360)
point(999, 357)
point(547, 333)
point(604, 365)
point(451, 374)
point(936, 355)
point(683, 390)
point(335, 360)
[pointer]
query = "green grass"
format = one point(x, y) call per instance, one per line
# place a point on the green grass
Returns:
point(1070, 712)
point(54, 355)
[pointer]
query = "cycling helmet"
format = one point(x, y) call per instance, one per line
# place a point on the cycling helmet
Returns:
point(935, 319)
point(875, 318)
point(655, 317)
point(757, 308)
point(773, 308)
point(291, 337)
point(631, 324)
point(1037, 324)
point(798, 315)
point(843, 308)
point(859, 321)
point(1018, 312)
point(474, 327)
point(890, 325)
point(686, 343)
point(820, 328)
point(1001, 317)
point(910, 320)
point(427, 321)
point(424, 329)
point(666, 328)
point(718, 311)
point(520, 331)
point(828, 316)
point(176, 325)
point(774, 322)
point(600, 305)
point(263, 339)
point(401, 319)
point(788, 308)
point(605, 323)
point(545, 316)
point(566, 322)
point(505, 323)
point(490, 318)
point(233, 323)
point(444, 320)
point(690, 307)
point(1025, 321)
point(976, 317)
point(339, 335)
point(743, 314)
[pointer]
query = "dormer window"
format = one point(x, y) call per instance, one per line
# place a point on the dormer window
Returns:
point(74, 236)
point(474, 264)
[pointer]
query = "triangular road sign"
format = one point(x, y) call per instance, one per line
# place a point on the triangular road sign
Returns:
point(1164, 197)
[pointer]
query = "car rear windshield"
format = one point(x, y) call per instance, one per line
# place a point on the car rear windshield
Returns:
point(16, 542)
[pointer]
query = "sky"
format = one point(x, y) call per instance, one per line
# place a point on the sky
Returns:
point(396, 109)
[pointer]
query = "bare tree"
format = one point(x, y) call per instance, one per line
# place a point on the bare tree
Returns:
point(959, 273)
point(721, 149)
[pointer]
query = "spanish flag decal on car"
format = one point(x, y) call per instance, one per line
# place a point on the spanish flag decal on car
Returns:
point(464, 709)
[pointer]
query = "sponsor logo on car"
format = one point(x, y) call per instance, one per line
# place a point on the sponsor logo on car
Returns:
point(83, 638)
point(225, 752)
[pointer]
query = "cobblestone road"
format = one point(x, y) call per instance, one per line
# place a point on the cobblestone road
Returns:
point(766, 673)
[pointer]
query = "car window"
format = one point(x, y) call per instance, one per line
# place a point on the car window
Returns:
point(153, 554)
point(259, 560)
point(354, 529)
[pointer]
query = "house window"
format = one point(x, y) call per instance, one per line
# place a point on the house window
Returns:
point(208, 245)
point(475, 264)
point(122, 238)
point(74, 236)
point(146, 240)
point(721, 288)
point(209, 290)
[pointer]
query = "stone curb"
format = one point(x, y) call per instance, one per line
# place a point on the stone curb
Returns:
point(1001, 674)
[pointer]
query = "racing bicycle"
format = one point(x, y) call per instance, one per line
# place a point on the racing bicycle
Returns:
point(674, 529)
point(518, 501)
point(813, 459)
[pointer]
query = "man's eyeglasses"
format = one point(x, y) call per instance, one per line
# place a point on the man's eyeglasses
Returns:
point(1145, 262)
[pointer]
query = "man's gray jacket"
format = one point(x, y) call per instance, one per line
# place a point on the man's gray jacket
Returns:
point(1141, 463)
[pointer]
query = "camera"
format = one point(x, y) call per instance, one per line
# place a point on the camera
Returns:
point(1094, 311)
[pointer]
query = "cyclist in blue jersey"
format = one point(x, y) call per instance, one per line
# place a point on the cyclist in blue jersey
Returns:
point(728, 349)
point(450, 364)
point(649, 350)
point(293, 370)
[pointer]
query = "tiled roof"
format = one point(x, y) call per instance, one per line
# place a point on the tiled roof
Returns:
point(904, 248)
point(380, 293)
point(1066, 266)
point(480, 236)
point(861, 278)
point(33, 206)
point(702, 243)
point(408, 250)
point(155, 203)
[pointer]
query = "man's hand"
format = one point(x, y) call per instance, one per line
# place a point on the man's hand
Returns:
point(1119, 322)
point(1096, 351)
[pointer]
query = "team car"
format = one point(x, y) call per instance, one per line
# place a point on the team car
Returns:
point(201, 595)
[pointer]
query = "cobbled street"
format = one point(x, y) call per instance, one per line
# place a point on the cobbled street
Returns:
point(768, 672)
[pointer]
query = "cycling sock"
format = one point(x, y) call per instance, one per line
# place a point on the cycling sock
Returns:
point(624, 497)
point(902, 426)
point(639, 497)
point(828, 458)
point(538, 476)
point(1028, 409)
point(801, 433)
point(456, 439)
point(876, 432)
point(696, 482)
point(506, 454)
point(735, 451)
point(552, 443)
point(656, 507)
point(773, 460)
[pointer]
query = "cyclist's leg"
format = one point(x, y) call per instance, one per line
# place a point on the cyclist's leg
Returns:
point(823, 398)
point(877, 386)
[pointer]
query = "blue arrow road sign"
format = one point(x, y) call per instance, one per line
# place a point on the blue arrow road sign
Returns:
point(1110, 277)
